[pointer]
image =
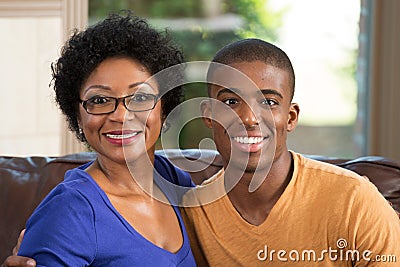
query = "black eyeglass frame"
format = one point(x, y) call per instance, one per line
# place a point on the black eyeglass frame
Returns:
point(118, 100)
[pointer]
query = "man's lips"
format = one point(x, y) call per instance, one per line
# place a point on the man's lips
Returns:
point(252, 141)
point(249, 139)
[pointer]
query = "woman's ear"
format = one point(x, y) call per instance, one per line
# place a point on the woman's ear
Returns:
point(293, 116)
point(79, 122)
point(206, 113)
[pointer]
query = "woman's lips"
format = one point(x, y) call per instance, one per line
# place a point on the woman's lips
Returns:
point(122, 137)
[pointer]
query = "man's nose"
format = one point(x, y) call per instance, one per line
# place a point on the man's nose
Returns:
point(248, 115)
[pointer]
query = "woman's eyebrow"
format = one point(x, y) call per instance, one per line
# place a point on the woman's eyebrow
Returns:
point(106, 87)
point(133, 85)
point(97, 86)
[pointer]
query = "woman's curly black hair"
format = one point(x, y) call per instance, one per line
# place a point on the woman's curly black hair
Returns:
point(119, 35)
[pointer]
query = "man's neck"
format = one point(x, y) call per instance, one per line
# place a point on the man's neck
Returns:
point(254, 207)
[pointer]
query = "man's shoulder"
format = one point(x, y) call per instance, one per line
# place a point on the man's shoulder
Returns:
point(330, 180)
point(209, 191)
point(309, 166)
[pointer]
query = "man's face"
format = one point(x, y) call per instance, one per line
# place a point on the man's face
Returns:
point(251, 118)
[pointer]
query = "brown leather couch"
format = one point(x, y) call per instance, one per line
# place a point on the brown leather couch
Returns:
point(24, 181)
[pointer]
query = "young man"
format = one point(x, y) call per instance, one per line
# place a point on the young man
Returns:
point(274, 207)
point(303, 212)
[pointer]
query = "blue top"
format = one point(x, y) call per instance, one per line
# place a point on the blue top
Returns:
point(76, 225)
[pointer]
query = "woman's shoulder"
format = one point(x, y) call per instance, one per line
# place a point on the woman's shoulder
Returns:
point(171, 173)
point(64, 221)
point(76, 189)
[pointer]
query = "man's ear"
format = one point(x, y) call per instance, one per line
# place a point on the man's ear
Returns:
point(293, 116)
point(206, 113)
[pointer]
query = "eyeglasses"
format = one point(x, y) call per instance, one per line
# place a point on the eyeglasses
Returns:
point(137, 102)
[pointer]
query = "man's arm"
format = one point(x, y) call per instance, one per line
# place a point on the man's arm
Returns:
point(390, 203)
point(18, 261)
point(375, 227)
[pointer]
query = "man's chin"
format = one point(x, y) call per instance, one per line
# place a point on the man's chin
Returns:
point(250, 169)
point(252, 166)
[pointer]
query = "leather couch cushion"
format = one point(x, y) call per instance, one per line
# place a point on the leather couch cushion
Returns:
point(25, 181)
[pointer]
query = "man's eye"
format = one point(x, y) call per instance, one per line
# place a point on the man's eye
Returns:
point(268, 102)
point(230, 101)
point(98, 100)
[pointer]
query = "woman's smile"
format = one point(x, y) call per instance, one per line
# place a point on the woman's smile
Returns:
point(122, 138)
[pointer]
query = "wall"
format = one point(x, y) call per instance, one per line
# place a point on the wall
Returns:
point(32, 33)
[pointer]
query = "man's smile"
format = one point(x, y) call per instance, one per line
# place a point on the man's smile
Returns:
point(248, 140)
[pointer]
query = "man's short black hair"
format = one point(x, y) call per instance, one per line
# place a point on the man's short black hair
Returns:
point(252, 49)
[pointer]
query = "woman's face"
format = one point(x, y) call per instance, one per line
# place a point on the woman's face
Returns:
point(120, 135)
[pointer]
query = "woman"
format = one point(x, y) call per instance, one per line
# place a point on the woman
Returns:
point(102, 213)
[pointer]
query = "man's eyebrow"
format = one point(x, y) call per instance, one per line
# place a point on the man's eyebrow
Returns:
point(238, 92)
point(271, 92)
point(228, 90)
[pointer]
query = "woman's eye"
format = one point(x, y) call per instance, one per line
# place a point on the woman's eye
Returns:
point(98, 100)
point(140, 98)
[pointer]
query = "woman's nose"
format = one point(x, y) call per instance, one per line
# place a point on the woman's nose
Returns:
point(120, 113)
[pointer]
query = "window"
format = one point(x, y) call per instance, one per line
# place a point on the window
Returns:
point(322, 42)
point(346, 80)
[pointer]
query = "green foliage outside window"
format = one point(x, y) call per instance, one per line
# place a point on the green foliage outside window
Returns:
point(199, 43)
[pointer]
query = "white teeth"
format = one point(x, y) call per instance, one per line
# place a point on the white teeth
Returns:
point(249, 140)
point(121, 136)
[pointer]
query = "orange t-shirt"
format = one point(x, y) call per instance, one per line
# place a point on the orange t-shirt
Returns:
point(327, 216)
